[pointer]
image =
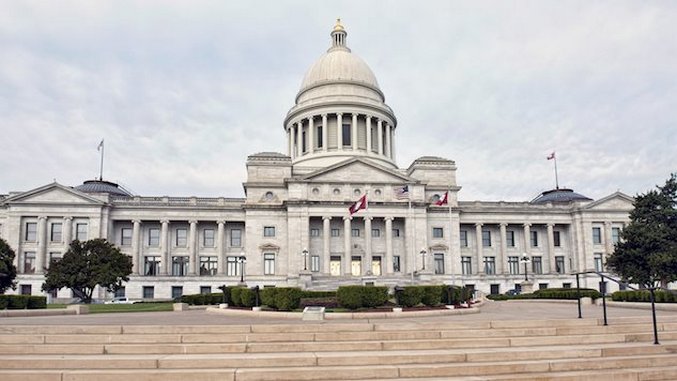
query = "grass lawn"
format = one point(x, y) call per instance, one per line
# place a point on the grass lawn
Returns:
point(108, 308)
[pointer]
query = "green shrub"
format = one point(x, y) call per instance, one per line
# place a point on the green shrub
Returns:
point(268, 296)
point(644, 296)
point(37, 302)
point(566, 293)
point(4, 302)
point(498, 297)
point(247, 297)
point(410, 296)
point(318, 294)
point(327, 302)
point(225, 290)
point(432, 295)
point(235, 296)
point(373, 296)
point(18, 302)
point(452, 295)
point(287, 298)
point(350, 296)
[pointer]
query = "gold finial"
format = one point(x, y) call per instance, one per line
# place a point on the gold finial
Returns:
point(338, 25)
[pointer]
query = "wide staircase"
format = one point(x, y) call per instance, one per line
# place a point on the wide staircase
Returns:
point(577, 349)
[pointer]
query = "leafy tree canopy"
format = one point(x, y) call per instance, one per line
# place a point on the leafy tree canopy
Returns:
point(647, 252)
point(7, 268)
point(86, 265)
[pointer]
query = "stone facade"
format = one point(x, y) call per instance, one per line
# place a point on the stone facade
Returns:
point(293, 227)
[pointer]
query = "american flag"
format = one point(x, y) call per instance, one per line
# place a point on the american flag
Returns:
point(402, 193)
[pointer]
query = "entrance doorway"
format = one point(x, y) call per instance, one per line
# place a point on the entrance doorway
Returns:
point(356, 266)
point(335, 266)
point(376, 266)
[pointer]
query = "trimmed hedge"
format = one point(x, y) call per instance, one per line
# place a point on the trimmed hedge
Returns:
point(328, 302)
point(282, 298)
point(202, 299)
point(644, 296)
point(354, 297)
point(411, 296)
point(552, 293)
point(20, 302)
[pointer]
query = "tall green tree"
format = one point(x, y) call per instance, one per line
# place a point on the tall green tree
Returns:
point(647, 252)
point(86, 265)
point(7, 268)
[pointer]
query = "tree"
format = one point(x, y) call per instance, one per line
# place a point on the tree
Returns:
point(86, 265)
point(647, 252)
point(7, 268)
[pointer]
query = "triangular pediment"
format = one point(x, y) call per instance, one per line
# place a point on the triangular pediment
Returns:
point(357, 170)
point(614, 201)
point(53, 193)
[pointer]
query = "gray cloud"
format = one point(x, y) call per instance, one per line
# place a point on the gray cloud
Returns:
point(183, 92)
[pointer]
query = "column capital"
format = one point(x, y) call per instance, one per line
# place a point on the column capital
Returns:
point(135, 221)
point(326, 218)
point(347, 218)
point(221, 222)
point(526, 225)
point(164, 221)
point(339, 114)
point(389, 218)
point(42, 218)
point(368, 218)
point(479, 224)
point(551, 224)
point(192, 222)
point(607, 223)
point(68, 218)
point(324, 115)
point(504, 224)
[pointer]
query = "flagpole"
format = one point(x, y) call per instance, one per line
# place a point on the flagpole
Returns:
point(101, 166)
point(556, 179)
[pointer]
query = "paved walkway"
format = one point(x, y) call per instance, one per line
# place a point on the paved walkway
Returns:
point(513, 310)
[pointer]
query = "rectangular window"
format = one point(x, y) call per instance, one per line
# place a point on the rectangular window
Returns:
point(319, 136)
point(303, 142)
point(126, 237)
point(566, 285)
point(439, 263)
point(355, 232)
point(180, 266)
point(232, 268)
point(438, 232)
point(81, 232)
point(177, 292)
point(236, 238)
point(315, 263)
point(559, 265)
point(269, 264)
point(396, 263)
point(597, 236)
point(314, 232)
point(181, 237)
point(599, 265)
point(153, 237)
point(537, 265)
point(396, 232)
point(204, 290)
point(148, 292)
point(151, 265)
point(26, 289)
point(208, 266)
point(29, 262)
point(486, 238)
point(495, 289)
point(269, 231)
point(375, 233)
point(556, 239)
point(121, 292)
point(542, 286)
point(335, 232)
point(54, 256)
point(464, 238)
point(490, 265)
point(615, 235)
point(534, 238)
point(510, 238)
point(31, 232)
point(55, 233)
point(346, 135)
point(208, 238)
point(514, 265)
point(466, 265)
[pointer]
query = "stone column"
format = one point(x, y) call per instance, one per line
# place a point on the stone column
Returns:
point(551, 247)
point(379, 126)
point(42, 237)
point(339, 131)
point(164, 247)
point(368, 127)
point(392, 142)
point(389, 247)
point(527, 239)
point(325, 142)
point(311, 135)
point(347, 269)
point(299, 138)
point(137, 263)
point(608, 245)
point(353, 133)
point(367, 243)
point(326, 244)
point(220, 246)
point(290, 144)
point(192, 248)
point(67, 230)
point(479, 248)
point(388, 142)
point(504, 248)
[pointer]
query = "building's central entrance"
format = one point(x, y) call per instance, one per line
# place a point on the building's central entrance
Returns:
point(335, 266)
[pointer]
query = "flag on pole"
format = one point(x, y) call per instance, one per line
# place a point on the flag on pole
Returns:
point(402, 193)
point(444, 200)
point(359, 204)
point(551, 156)
point(98, 148)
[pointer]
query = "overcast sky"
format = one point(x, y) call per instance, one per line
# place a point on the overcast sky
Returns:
point(183, 91)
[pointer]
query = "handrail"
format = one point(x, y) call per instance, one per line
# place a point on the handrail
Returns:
point(602, 286)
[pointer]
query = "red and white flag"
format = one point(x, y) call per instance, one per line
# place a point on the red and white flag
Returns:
point(359, 204)
point(444, 200)
point(551, 156)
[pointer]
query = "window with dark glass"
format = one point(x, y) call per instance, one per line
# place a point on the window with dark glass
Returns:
point(346, 134)
point(556, 239)
point(490, 265)
point(599, 265)
point(315, 263)
point(269, 231)
point(597, 236)
point(513, 265)
point(466, 265)
point(396, 263)
point(335, 232)
point(232, 267)
point(153, 237)
point(486, 238)
point(29, 262)
point(355, 232)
point(314, 232)
point(31, 232)
point(439, 263)
point(236, 237)
point(148, 292)
point(126, 237)
point(208, 265)
point(375, 233)
point(269, 264)
point(151, 265)
point(438, 232)
point(615, 235)
point(177, 292)
point(81, 232)
point(534, 238)
point(510, 238)
point(464, 238)
point(559, 265)
point(536, 265)
point(181, 237)
point(208, 238)
point(180, 266)
point(55, 233)
point(204, 290)
point(319, 137)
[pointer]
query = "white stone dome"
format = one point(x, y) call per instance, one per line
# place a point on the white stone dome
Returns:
point(339, 65)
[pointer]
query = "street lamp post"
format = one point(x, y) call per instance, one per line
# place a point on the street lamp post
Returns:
point(242, 260)
point(305, 259)
point(525, 260)
point(423, 254)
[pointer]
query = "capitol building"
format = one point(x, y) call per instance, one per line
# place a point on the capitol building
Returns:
point(334, 209)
